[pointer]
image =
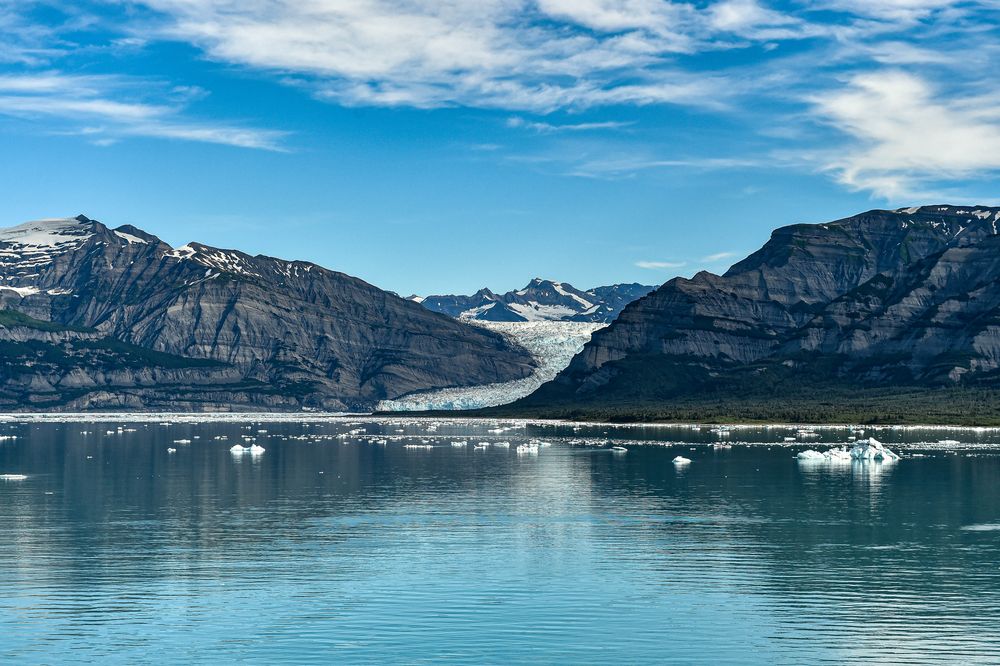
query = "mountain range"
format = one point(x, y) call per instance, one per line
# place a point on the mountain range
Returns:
point(93, 317)
point(540, 300)
point(886, 315)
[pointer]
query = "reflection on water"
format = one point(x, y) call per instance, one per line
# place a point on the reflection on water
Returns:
point(331, 546)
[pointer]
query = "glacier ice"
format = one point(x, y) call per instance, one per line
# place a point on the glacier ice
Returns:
point(553, 344)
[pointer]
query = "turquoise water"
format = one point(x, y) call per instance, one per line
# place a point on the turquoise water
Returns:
point(344, 550)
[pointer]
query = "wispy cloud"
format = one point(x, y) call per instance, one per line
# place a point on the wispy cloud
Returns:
point(552, 128)
point(907, 83)
point(907, 135)
point(660, 265)
point(719, 256)
point(95, 107)
point(535, 55)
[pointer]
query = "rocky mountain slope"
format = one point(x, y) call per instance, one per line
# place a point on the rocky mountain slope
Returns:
point(894, 300)
point(284, 333)
point(540, 300)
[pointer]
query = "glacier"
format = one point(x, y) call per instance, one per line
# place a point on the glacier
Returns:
point(553, 344)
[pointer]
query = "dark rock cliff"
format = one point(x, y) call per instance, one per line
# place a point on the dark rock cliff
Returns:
point(885, 298)
point(315, 337)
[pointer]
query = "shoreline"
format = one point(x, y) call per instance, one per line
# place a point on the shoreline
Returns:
point(456, 417)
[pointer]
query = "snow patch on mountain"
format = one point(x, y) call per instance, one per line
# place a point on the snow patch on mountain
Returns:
point(129, 238)
point(552, 343)
point(53, 233)
point(540, 300)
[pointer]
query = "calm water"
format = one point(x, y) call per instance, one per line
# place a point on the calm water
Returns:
point(327, 549)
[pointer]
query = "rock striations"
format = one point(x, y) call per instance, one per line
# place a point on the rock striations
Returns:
point(909, 297)
point(236, 331)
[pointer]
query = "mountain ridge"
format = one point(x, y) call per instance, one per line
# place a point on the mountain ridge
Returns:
point(334, 341)
point(539, 300)
point(887, 299)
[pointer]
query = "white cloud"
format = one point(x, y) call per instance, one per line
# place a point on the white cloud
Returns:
point(532, 55)
point(660, 265)
point(718, 256)
point(896, 10)
point(907, 134)
point(551, 128)
point(92, 106)
point(750, 19)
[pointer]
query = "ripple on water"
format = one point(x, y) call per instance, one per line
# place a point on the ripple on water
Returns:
point(404, 555)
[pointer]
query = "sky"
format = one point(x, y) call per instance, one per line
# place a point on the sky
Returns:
point(439, 146)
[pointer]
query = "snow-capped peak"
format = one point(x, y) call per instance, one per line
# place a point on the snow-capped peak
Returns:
point(540, 300)
point(26, 248)
point(49, 233)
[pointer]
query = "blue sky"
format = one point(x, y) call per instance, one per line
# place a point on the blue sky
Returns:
point(435, 146)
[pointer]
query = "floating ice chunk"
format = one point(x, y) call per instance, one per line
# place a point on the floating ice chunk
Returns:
point(238, 448)
point(872, 449)
point(681, 460)
point(619, 449)
point(530, 447)
point(949, 442)
point(838, 455)
point(13, 477)
point(182, 441)
point(811, 455)
point(256, 449)
point(171, 450)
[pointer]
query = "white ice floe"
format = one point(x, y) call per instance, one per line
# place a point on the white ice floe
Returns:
point(840, 454)
point(811, 455)
point(872, 449)
point(237, 448)
point(864, 450)
point(619, 449)
point(256, 449)
point(171, 450)
point(13, 477)
point(681, 460)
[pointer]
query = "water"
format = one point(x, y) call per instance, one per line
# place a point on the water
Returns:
point(326, 549)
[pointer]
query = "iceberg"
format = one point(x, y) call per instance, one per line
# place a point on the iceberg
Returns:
point(13, 477)
point(833, 455)
point(681, 460)
point(811, 455)
point(872, 450)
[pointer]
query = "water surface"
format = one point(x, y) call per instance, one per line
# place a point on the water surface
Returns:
point(334, 547)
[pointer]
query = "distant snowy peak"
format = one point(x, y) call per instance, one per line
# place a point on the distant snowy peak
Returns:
point(49, 234)
point(540, 300)
point(30, 247)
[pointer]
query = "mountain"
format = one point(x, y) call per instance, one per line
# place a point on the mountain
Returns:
point(886, 314)
point(235, 330)
point(540, 300)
